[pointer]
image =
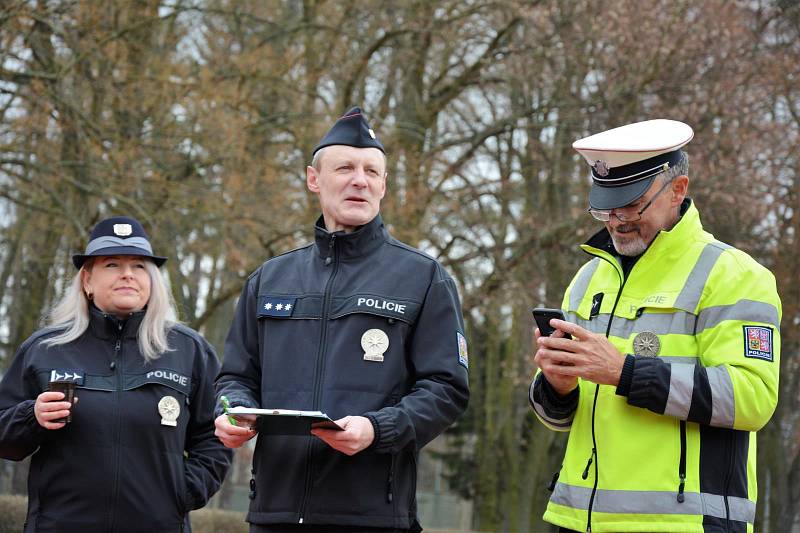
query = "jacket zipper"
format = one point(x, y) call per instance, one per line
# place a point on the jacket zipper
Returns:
point(117, 423)
point(623, 279)
point(682, 464)
point(320, 367)
point(390, 481)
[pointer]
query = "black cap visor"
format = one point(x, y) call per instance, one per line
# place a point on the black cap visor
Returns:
point(615, 197)
point(79, 259)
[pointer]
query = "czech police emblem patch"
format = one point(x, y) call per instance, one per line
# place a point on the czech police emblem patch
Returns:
point(758, 342)
point(463, 356)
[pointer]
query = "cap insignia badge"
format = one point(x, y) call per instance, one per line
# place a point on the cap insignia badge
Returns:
point(122, 230)
point(170, 410)
point(374, 342)
point(646, 344)
point(601, 168)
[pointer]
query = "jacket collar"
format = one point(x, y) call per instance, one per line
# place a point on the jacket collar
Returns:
point(664, 242)
point(108, 326)
point(350, 245)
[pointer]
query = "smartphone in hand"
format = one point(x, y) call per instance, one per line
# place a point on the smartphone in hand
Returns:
point(542, 316)
point(68, 388)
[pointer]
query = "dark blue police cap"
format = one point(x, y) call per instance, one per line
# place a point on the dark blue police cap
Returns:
point(118, 236)
point(351, 130)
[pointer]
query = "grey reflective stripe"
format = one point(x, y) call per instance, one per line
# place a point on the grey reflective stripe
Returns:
point(681, 388)
point(683, 322)
point(680, 359)
point(582, 283)
point(598, 324)
point(654, 502)
point(743, 310)
point(538, 408)
point(742, 509)
point(681, 385)
point(723, 409)
point(679, 323)
point(693, 289)
point(108, 242)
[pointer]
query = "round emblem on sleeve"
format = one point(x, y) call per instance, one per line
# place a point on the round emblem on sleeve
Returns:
point(375, 343)
point(170, 410)
point(646, 344)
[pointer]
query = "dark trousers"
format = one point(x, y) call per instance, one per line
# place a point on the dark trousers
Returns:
point(298, 528)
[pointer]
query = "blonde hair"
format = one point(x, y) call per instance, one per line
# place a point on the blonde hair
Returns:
point(72, 314)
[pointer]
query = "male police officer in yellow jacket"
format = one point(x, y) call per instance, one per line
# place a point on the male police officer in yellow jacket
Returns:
point(673, 362)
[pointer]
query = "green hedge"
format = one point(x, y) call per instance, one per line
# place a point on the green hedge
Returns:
point(13, 509)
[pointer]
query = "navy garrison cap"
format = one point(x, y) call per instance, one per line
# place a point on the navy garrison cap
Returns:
point(351, 129)
point(626, 160)
point(118, 236)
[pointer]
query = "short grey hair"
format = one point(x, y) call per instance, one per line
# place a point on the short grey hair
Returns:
point(681, 168)
point(316, 160)
point(72, 314)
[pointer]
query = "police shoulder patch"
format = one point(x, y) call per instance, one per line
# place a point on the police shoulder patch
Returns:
point(758, 342)
point(463, 357)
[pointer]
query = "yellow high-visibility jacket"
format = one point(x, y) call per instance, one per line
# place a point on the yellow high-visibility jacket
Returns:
point(673, 447)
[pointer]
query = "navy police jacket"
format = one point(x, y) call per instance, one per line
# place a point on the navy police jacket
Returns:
point(116, 467)
point(355, 324)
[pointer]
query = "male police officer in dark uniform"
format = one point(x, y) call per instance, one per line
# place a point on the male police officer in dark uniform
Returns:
point(361, 327)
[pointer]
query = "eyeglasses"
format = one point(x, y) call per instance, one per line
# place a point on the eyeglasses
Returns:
point(625, 214)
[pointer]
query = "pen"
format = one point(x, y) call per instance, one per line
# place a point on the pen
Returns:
point(225, 406)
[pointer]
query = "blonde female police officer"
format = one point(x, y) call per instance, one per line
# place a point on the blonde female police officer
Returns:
point(674, 357)
point(139, 452)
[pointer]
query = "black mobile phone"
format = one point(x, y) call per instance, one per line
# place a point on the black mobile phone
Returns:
point(542, 316)
point(68, 388)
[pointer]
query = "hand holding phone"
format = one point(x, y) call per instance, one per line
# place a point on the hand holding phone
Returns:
point(543, 315)
point(68, 389)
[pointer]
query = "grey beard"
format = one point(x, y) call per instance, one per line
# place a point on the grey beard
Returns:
point(631, 247)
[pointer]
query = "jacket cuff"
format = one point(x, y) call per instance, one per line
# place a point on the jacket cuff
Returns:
point(556, 400)
point(552, 402)
point(30, 419)
point(385, 431)
point(376, 430)
point(626, 377)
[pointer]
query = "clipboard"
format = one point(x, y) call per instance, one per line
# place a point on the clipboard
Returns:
point(287, 421)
